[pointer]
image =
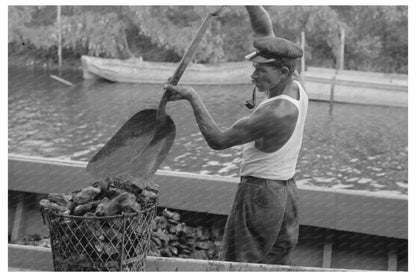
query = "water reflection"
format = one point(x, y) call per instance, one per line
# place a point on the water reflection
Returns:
point(356, 147)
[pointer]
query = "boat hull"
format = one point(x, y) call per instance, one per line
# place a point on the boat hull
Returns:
point(339, 228)
point(348, 86)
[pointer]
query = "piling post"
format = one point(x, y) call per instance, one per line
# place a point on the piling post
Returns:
point(19, 219)
point(332, 92)
point(58, 20)
point(341, 50)
point(339, 66)
point(302, 44)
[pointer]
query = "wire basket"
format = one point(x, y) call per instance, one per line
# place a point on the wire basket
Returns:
point(112, 243)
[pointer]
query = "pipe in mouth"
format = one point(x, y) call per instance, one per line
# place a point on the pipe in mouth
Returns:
point(251, 103)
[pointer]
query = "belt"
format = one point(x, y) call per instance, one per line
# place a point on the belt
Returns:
point(257, 180)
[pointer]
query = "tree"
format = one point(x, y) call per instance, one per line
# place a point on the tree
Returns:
point(96, 33)
point(321, 26)
point(173, 27)
point(376, 36)
point(377, 39)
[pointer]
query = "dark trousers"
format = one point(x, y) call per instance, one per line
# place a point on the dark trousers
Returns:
point(263, 224)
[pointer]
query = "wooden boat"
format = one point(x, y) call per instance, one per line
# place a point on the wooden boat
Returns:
point(138, 71)
point(348, 86)
point(340, 229)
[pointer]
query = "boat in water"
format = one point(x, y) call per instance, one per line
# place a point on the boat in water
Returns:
point(136, 70)
point(347, 86)
point(340, 229)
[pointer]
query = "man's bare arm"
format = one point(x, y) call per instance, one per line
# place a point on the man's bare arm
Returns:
point(262, 123)
point(244, 130)
point(275, 119)
point(260, 21)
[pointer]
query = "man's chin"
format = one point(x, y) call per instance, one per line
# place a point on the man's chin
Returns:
point(260, 89)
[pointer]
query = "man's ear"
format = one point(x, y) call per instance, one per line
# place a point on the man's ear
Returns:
point(285, 72)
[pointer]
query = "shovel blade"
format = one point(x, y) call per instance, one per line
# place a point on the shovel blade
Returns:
point(135, 148)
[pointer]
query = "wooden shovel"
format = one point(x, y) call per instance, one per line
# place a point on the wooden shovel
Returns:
point(143, 142)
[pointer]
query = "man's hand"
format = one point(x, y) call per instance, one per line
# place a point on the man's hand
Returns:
point(180, 92)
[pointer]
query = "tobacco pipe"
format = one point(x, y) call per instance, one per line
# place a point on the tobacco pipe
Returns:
point(251, 103)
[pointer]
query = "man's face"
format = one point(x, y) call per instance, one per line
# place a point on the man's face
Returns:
point(265, 76)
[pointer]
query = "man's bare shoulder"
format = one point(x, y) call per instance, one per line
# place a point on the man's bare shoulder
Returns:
point(280, 108)
point(275, 116)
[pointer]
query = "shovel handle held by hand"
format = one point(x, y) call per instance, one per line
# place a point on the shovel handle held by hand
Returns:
point(186, 59)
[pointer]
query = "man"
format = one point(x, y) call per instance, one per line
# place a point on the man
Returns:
point(263, 224)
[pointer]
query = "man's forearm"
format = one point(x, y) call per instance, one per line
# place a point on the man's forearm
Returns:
point(206, 123)
point(260, 21)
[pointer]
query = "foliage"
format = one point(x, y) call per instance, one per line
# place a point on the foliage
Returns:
point(173, 27)
point(321, 26)
point(88, 31)
point(376, 37)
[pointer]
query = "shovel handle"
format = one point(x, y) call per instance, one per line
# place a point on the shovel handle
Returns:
point(187, 58)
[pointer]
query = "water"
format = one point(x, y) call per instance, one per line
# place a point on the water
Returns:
point(359, 147)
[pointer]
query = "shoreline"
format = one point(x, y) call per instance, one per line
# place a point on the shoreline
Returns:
point(349, 87)
point(32, 62)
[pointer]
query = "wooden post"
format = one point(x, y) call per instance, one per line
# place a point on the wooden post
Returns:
point(332, 92)
point(341, 50)
point(327, 251)
point(392, 255)
point(302, 44)
point(339, 66)
point(58, 19)
point(18, 222)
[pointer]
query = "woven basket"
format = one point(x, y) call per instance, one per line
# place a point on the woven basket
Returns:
point(112, 243)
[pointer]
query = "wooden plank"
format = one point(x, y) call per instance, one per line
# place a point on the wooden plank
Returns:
point(362, 74)
point(59, 79)
point(354, 84)
point(327, 253)
point(177, 264)
point(23, 257)
point(372, 215)
point(392, 259)
point(17, 229)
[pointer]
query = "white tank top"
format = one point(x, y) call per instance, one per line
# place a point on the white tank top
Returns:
point(279, 165)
